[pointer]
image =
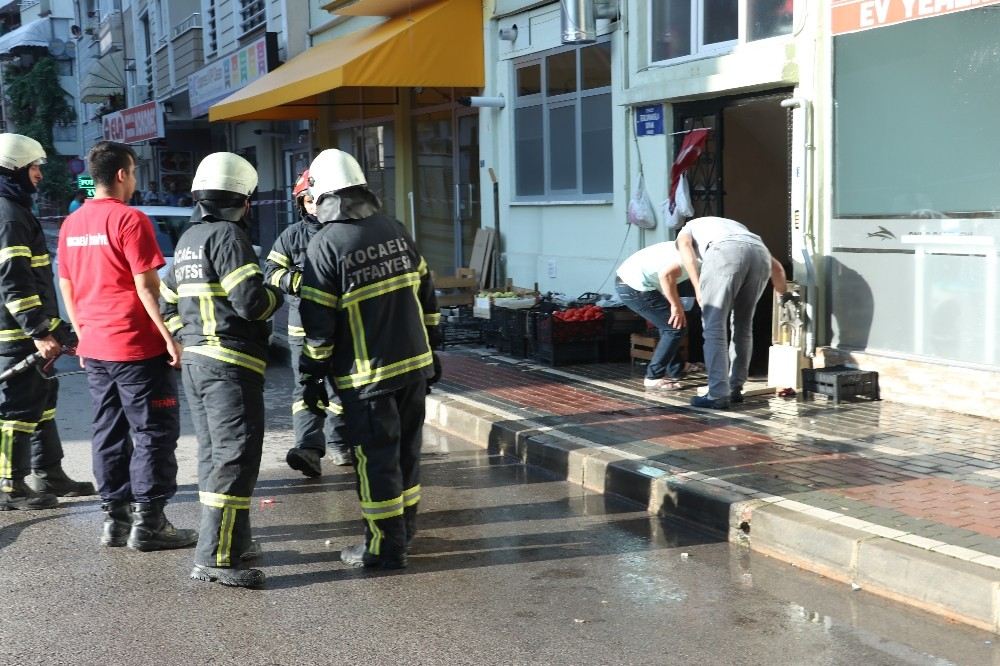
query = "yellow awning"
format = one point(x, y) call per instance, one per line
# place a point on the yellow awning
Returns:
point(440, 45)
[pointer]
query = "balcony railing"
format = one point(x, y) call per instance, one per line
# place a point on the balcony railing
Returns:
point(193, 21)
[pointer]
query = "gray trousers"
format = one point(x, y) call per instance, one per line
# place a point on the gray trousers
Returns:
point(733, 276)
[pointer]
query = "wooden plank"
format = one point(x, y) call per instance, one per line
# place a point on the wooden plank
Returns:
point(487, 278)
point(450, 300)
point(479, 246)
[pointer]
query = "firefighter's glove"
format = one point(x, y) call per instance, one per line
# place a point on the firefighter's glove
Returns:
point(66, 336)
point(790, 297)
point(314, 395)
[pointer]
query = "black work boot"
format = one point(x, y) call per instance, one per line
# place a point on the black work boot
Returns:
point(53, 480)
point(358, 556)
point(305, 461)
point(16, 495)
point(117, 523)
point(152, 531)
point(231, 576)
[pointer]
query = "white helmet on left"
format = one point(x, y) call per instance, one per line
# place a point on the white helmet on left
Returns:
point(227, 172)
point(18, 151)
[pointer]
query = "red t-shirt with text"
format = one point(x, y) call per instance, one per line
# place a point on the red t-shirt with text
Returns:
point(103, 245)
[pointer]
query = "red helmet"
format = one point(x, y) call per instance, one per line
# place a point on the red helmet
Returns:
point(301, 185)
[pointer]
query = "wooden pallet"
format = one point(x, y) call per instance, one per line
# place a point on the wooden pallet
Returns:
point(642, 346)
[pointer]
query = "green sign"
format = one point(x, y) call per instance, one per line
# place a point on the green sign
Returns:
point(85, 183)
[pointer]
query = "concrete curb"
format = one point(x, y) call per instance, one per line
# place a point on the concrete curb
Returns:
point(958, 583)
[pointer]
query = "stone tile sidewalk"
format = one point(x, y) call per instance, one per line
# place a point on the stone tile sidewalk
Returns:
point(901, 501)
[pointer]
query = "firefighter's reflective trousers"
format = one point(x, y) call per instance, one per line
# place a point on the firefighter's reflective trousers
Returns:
point(387, 431)
point(28, 436)
point(227, 408)
point(311, 430)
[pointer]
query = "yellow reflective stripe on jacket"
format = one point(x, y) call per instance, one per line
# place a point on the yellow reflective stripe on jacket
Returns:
point(207, 310)
point(174, 323)
point(195, 289)
point(296, 331)
point(23, 304)
point(276, 276)
point(362, 364)
point(333, 408)
point(365, 491)
point(54, 323)
point(385, 372)
point(48, 415)
point(9, 253)
point(411, 495)
point(279, 259)
point(230, 356)
point(40, 260)
point(422, 268)
point(222, 501)
point(318, 353)
point(230, 281)
point(319, 296)
point(432, 319)
point(168, 294)
point(13, 335)
point(18, 426)
point(272, 305)
point(382, 287)
point(382, 510)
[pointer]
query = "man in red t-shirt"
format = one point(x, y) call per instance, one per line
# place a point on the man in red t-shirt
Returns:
point(108, 261)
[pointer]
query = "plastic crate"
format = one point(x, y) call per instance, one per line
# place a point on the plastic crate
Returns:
point(511, 327)
point(839, 382)
point(567, 353)
point(623, 320)
point(550, 330)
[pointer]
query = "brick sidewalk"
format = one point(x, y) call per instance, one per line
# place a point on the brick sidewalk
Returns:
point(929, 479)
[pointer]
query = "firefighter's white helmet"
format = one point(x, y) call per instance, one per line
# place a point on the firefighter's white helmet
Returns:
point(18, 151)
point(334, 170)
point(225, 171)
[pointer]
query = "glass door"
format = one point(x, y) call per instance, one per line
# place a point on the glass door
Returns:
point(446, 200)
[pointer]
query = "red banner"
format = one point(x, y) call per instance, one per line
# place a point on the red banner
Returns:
point(855, 15)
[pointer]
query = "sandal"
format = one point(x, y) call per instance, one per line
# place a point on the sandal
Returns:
point(694, 367)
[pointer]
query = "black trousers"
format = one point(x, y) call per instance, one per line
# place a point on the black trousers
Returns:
point(24, 400)
point(46, 445)
point(388, 434)
point(313, 431)
point(136, 426)
point(227, 408)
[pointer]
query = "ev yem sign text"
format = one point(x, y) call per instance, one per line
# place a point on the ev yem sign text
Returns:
point(855, 15)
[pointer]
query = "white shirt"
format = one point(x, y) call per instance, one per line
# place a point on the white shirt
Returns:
point(707, 230)
point(642, 270)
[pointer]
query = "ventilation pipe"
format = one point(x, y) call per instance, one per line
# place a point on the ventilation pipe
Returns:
point(579, 25)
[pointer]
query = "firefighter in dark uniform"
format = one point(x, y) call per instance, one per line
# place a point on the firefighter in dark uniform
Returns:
point(216, 303)
point(314, 433)
point(29, 322)
point(371, 317)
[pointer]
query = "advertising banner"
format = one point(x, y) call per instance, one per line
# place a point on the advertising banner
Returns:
point(855, 15)
point(231, 72)
point(135, 124)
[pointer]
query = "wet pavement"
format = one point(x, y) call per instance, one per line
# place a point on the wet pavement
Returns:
point(511, 567)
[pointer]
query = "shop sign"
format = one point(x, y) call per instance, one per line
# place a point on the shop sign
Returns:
point(649, 120)
point(228, 74)
point(855, 15)
point(134, 124)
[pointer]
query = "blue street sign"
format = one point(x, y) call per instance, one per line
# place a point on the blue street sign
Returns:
point(649, 120)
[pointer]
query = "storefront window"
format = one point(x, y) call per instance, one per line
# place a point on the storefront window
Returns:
point(915, 260)
point(562, 134)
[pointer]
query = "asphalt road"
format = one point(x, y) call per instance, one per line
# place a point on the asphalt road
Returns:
point(510, 567)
